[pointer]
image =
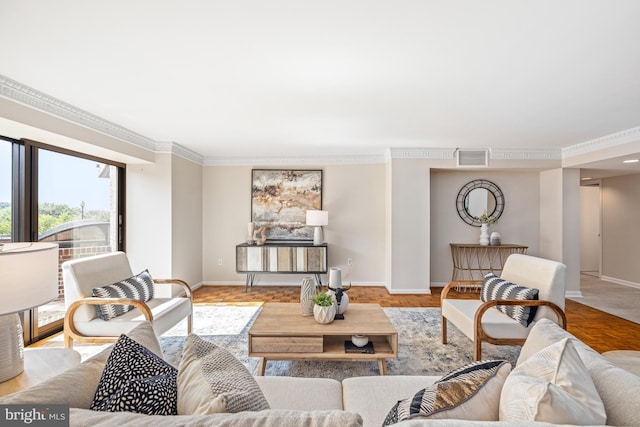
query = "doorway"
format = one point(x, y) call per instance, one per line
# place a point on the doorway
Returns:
point(590, 229)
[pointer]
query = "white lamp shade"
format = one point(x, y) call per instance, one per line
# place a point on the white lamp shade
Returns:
point(317, 218)
point(28, 275)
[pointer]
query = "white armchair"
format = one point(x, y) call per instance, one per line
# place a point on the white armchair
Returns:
point(81, 322)
point(482, 321)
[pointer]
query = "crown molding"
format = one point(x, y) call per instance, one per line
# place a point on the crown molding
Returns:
point(179, 150)
point(525, 154)
point(33, 98)
point(602, 143)
point(421, 153)
point(348, 159)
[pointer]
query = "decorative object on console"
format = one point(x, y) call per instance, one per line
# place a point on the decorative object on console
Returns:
point(280, 199)
point(495, 239)
point(250, 230)
point(484, 235)
point(317, 219)
point(485, 221)
point(260, 235)
point(341, 300)
point(29, 279)
point(307, 291)
point(323, 310)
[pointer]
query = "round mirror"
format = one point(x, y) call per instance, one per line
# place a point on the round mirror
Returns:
point(477, 197)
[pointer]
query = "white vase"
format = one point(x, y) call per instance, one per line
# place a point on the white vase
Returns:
point(324, 314)
point(484, 234)
point(250, 229)
point(495, 239)
point(359, 340)
point(307, 291)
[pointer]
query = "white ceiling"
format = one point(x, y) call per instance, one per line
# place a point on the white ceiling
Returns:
point(301, 77)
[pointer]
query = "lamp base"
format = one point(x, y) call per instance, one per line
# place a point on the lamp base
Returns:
point(11, 347)
point(317, 236)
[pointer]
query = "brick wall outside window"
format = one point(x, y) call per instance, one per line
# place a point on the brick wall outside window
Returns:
point(66, 254)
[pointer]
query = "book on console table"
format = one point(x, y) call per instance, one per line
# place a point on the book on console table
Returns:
point(350, 347)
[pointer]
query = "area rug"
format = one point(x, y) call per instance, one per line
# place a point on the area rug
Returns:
point(218, 319)
point(420, 350)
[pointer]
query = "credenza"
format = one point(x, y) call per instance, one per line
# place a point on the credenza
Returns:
point(281, 258)
point(473, 261)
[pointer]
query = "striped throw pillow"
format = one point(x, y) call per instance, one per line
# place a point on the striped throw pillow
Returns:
point(138, 287)
point(495, 288)
point(468, 393)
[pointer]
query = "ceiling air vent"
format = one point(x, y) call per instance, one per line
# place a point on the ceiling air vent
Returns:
point(472, 158)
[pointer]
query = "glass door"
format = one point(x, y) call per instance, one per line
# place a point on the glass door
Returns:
point(78, 210)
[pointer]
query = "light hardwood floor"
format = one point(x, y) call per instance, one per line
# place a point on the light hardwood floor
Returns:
point(599, 330)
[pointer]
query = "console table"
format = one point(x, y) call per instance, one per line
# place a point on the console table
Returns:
point(473, 261)
point(281, 258)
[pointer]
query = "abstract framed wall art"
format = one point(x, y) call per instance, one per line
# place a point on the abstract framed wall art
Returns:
point(280, 199)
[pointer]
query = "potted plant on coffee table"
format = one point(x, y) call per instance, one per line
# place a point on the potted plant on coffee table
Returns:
point(323, 310)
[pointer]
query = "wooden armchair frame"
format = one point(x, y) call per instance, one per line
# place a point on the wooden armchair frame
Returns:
point(479, 333)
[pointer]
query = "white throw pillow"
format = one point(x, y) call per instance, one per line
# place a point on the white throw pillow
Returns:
point(211, 380)
point(554, 386)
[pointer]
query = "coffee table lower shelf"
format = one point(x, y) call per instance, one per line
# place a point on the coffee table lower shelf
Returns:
point(294, 337)
point(332, 349)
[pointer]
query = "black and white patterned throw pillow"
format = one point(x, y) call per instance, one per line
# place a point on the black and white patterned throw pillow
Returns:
point(495, 288)
point(135, 379)
point(138, 287)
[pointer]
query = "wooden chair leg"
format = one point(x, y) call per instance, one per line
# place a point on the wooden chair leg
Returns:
point(189, 323)
point(444, 330)
point(477, 349)
point(68, 341)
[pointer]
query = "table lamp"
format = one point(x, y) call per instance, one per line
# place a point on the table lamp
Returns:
point(317, 219)
point(28, 278)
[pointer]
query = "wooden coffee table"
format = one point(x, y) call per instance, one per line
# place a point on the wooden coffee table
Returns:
point(280, 332)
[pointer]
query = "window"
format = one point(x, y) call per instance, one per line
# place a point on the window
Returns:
point(5, 190)
point(66, 198)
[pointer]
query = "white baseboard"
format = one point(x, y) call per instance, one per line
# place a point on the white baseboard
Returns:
point(573, 294)
point(408, 291)
point(281, 283)
point(621, 282)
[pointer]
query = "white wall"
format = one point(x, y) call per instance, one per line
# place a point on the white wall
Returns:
point(186, 221)
point(620, 229)
point(551, 215)
point(519, 223)
point(408, 220)
point(353, 194)
point(560, 222)
point(148, 211)
point(164, 218)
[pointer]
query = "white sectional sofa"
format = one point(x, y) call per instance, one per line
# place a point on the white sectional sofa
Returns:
point(325, 402)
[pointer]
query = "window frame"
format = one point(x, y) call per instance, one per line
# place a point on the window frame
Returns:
point(24, 212)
